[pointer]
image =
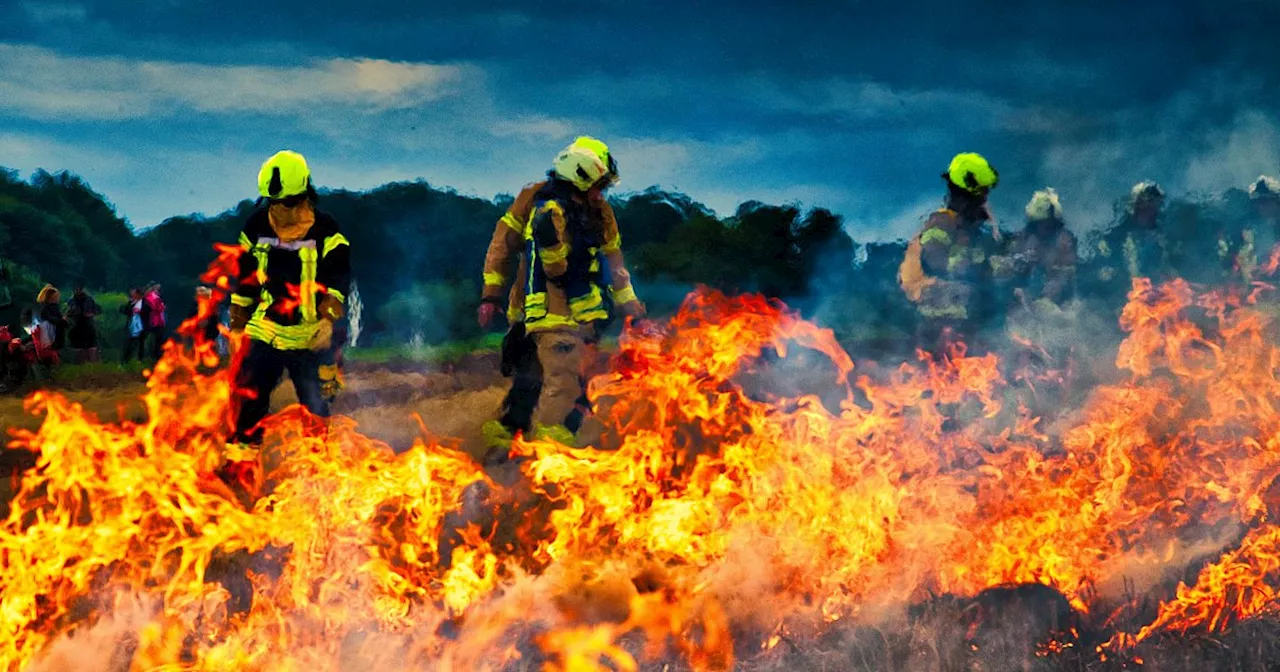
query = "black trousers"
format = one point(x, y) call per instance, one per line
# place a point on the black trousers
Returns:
point(157, 336)
point(260, 373)
point(520, 363)
point(132, 345)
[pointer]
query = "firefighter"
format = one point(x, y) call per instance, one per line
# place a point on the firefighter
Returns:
point(1042, 320)
point(1260, 235)
point(294, 272)
point(948, 270)
point(1045, 253)
point(1137, 247)
point(506, 264)
point(573, 276)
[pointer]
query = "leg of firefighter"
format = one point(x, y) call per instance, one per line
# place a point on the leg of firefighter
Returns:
point(259, 374)
point(562, 355)
point(304, 371)
point(520, 363)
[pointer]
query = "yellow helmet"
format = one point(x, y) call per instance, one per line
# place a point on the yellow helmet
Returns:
point(283, 175)
point(1044, 205)
point(972, 173)
point(585, 162)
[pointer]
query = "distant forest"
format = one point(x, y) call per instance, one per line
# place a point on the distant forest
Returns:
point(417, 252)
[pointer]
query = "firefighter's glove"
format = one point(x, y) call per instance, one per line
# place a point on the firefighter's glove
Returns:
point(487, 311)
point(634, 309)
point(330, 381)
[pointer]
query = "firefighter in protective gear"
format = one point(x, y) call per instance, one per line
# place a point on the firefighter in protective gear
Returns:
point(294, 274)
point(1045, 252)
point(948, 269)
point(505, 261)
point(1137, 247)
point(1260, 236)
point(573, 276)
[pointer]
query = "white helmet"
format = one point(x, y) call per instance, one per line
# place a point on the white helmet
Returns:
point(1145, 190)
point(1044, 205)
point(1264, 187)
point(583, 164)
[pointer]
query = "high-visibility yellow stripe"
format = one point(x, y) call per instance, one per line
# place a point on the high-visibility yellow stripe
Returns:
point(337, 295)
point(625, 295)
point(514, 313)
point(513, 222)
point(549, 322)
point(332, 242)
point(535, 305)
point(244, 241)
point(242, 301)
point(493, 279)
point(556, 254)
point(260, 253)
point(240, 452)
point(612, 245)
point(281, 337)
point(935, 235)
point(307, 287)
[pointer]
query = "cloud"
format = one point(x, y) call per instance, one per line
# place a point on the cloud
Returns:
point(1236, 154)
point(43, 84)
point(42, 12)
point(533, 128)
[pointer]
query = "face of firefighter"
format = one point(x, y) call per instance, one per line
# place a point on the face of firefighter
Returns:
point(1046, 227)
point(595, 195)
point(1146, 213)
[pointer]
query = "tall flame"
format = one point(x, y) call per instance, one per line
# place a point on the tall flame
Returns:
point(721, 513)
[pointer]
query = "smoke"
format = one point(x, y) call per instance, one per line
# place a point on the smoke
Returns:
point(107, 645)
point(1216, 134)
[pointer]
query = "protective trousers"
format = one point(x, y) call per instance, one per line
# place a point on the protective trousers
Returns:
point(260, 373)
point(520, 364)
point(563, 401)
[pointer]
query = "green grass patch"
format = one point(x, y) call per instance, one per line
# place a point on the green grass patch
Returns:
point(101, 375)
point(427, 354)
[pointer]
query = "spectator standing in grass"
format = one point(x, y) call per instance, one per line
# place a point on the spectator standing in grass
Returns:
point(82, 336)
point(50, 318)
point(154, 319)
point(134, 311)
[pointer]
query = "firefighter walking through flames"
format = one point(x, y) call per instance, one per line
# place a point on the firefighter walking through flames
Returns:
point(948, 270)
point(1261, 234)
point(293, 277)
point(571, 275)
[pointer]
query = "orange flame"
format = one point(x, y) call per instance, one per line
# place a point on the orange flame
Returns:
point(715, 516)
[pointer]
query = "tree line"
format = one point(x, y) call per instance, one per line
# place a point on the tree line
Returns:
point(418, 250)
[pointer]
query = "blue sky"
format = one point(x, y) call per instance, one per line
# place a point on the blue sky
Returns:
point(169, 106)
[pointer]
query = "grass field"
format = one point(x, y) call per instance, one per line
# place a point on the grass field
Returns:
point(453, 389)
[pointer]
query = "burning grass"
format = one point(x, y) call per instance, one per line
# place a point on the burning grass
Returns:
point(919, 519)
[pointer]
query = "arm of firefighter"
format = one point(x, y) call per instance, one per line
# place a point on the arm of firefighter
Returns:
point(1060, 273)
point(935, 247)
point(503, 253)
point(248, 284)
point(620, 281)
point(1013, 261)
point(334, 272)
point(549, 232)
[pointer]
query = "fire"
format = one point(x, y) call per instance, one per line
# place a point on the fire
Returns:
point(719, 517)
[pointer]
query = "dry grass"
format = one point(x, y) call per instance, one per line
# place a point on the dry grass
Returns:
point(451, 401)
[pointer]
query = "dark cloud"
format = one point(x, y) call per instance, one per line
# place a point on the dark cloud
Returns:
point(854, 105)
